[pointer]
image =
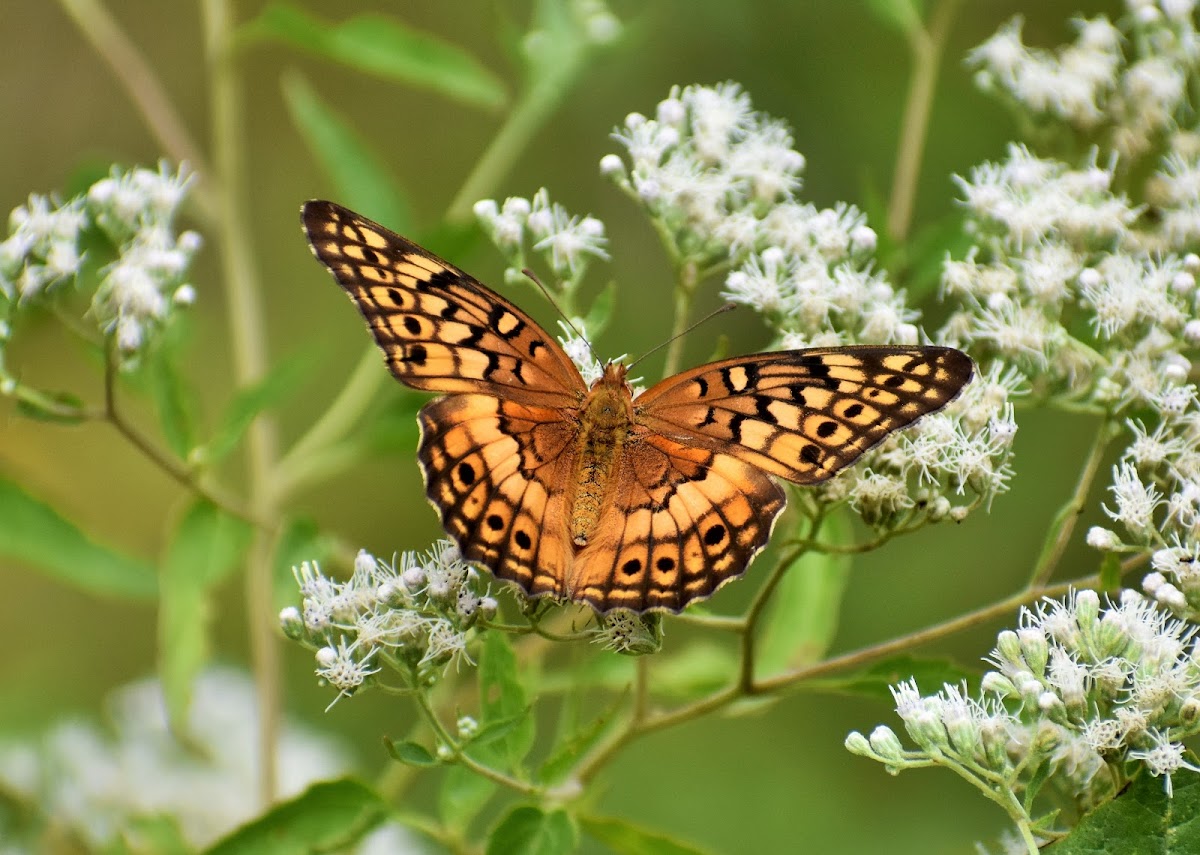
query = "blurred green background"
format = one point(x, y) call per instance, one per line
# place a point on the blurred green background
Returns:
point(778, 780)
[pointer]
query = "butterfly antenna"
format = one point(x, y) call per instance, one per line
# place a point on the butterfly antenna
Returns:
point(566, 319)
point(728, 307)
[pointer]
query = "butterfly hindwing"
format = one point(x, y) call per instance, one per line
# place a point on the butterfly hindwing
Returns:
point(682, 522)
point(804, 414)
point(494, 471)
point(439, 329)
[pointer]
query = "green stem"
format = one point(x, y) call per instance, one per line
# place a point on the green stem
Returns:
point(146, 91)
point(927, 46)
point(248, 333)
point(1063, 526)
point(530, 112)
point(685, 290)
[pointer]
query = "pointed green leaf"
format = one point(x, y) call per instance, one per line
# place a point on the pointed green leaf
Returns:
point(601, 310)
point(206, 547)
point(172, 396)
point(462, 796)
point(360, 176)
point(1141, 820)
point(1110, 572)
point(157, 833)
point(530, 831)
point(330, 816)
point(503, 697)
point(300, 541)
point(624, 838)
point(383, 46)
point(33, 532)
point(282, 381)
point(410, 753)
point(58, 407)
point(569, 750)
point(902, 15)
point(931, 673)
point(802, 617)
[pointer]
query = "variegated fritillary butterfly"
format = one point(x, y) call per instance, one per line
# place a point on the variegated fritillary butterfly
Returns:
point(594, 495)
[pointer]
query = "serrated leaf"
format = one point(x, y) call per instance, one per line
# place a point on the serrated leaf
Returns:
point(530, 831)
point(410, 753)
point(33, 532)
point(502, 697)
point(1141, 820)
point(625, 838)
point(300, 541)
point(802, 616)
point(495, 731)
point(283, 380)
point(327, 815)
point(931, 673)
point(360, 176)
point(206, 547)
point(383, 46)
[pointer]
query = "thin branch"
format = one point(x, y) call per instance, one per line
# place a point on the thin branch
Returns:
point(927, 46)
point(248, 332)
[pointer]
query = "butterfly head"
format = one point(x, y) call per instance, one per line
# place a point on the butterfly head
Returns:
point(614, 375)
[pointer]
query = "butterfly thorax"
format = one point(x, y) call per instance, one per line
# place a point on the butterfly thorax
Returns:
point(605, 422)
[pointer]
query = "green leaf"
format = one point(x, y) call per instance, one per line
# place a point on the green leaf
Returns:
point(300, 541)
point(463, 794)
point(156, 833)
point(1141, 821)
point(283, 380)
point(600, 312)
point(34, 533)
point(169, 389)
point(931, 673)
point(802, 617)
point(503, 697)
point(902, 15)
point(410, 753)
point(57, 407)
point(569, 750)
point(206, 547)
point(1110, 572)
point(696, 669)
point(329, 816)
point(530, 831)
point(625, 838)
point(360, 176)
point(385, 47)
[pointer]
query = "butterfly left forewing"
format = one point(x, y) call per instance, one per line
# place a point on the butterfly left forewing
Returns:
point(804, 414)
point(438, 328)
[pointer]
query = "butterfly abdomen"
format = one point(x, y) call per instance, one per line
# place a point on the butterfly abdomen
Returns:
point(604, 426)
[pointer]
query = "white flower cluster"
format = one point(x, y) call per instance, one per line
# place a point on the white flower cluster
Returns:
point(96, 785)
point(720, 180)
point(1081, 689)
point(412, 616)
point(566, 243)
point(135, 212)
point(1091, 85)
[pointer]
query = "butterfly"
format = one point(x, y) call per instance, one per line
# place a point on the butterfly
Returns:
point(591, 494)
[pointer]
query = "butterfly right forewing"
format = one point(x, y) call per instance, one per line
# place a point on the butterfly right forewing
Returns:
point(440, 329)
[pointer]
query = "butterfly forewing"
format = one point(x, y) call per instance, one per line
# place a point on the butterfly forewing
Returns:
point(804, 414)
point(439, 329)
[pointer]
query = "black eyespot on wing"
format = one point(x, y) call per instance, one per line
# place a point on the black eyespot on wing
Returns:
point(631, 567)
point(523, 540)
point(714, 535)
